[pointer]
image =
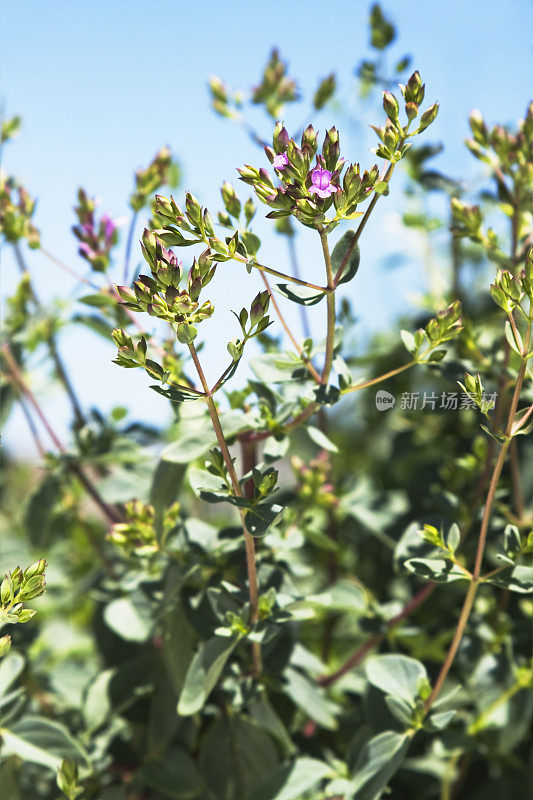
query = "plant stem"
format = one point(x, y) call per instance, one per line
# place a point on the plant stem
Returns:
point(330, 335)
point(248, 538)
point(380, 378)
point(476, 577)
point(278, 274)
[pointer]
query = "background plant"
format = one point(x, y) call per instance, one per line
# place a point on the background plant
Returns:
point(288, 640)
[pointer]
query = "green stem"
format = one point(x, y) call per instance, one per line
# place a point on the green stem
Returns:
point(271, 271)
point(379, 379)
point(330, 335)
point(248, 538)
point(479, 723)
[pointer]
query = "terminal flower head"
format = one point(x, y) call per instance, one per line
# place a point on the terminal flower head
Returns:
point(321, 182)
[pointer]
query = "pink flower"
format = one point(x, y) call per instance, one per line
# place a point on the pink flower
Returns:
point(321, 180)
point(280, 161)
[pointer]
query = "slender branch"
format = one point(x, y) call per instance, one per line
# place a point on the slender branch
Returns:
point(112, 514)
point(248, 538)
point(289, 333)
point(356, 658)
point(278, 274)
point(66, 268)
point(380, 378)
point(32, 427)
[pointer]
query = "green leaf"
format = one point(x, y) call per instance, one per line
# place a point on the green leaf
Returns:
point(207, 486)
point(261, 517)
point(303, 295)
point(176, 394)
point(275, 449)
point(236, 757)
point(262, 713)
point(10, 668)
point(397, 675)
point(204, 671)
point(310, 698)
point(291, 782)
point(41, 741)
point(175, 775)
point(190, 443)
point(39, 508)
point(97, 300)
point(319, 438)
point(516, 579)
point(131, 618)
point(346, 254)
point(435, 569)
point(343, 596)
point(379, 759)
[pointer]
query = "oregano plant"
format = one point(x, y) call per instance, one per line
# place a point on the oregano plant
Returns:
point(315, 582)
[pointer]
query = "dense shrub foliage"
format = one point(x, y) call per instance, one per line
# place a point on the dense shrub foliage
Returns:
point(316, 583)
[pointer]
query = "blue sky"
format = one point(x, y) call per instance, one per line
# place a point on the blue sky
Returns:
point(101, 86)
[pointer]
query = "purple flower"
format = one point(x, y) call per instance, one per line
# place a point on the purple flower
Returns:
point(109, 227)
point(321, 180)
point(280, 161)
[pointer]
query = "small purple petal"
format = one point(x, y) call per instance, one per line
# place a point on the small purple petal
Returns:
point(280, 161)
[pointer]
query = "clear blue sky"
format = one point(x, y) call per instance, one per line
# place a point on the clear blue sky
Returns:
point(102, 85)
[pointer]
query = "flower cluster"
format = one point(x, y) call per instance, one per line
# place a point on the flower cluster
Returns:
point(509, 150)
point(16, 212)
point(314, 485)
point(508, 291)
point(161, 171)
point(97, 238)
point(159, 294)
point(309, 184)
point(276, 88)
point(138, 535)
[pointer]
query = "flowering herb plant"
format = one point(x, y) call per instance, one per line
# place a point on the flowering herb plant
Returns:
point(312, 592)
